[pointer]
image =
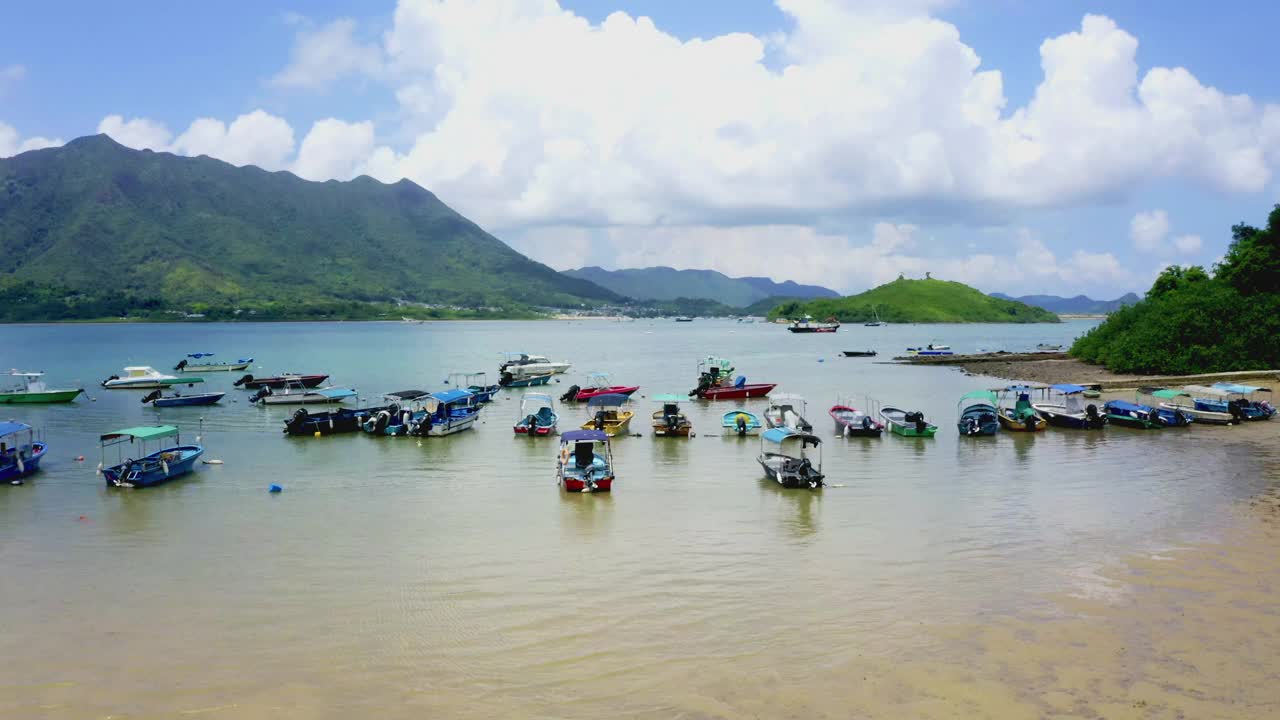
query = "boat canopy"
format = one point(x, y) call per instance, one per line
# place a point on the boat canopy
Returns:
point(140, 433)
point(335, 393)
point(668, 398)
point(575, 436)
point(199, 355)
point(538, 397)
point(1128, 406)
point(9, 428)
point(1206, 390)
point(978, 397)
point(1068, 388)
point(1164, 393)
point(1240, 389)
point(782, 434)
point(607, 400)
point(448, 397)
point(19, 373)
point(406, 395)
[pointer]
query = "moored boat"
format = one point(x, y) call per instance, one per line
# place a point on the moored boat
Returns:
point(741, 422)
point(785, 458)
point(537, 415)
point(277, 382)
point(298, 394)
point(808, 325)
point(859, 353)
point(1177, 408)
point(331, 422)
point(1071, 411)
point(157, 399)
point(141, 377)
point(715, 382)
point(787, 410)
point(522, 364)
point(1253, 408)
point(852, 422)
point(476, 383)
point(1217, 403)
point(610, 417)
point(508, 380)
point(906, 423)
point(150, 468)
point(978, 414)
point(877, 322)
point(597, 384)
point(20, 451)
point(32, 391)
point(579, 467)
point(448, 412)
point(1021, 417)
point(194, 362)
point(1046, 347)
point(395, 418)
point(669, 421)
point(1132, 415)
point(930, 350)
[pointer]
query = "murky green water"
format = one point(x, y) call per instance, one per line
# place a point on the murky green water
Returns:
point(397, 577)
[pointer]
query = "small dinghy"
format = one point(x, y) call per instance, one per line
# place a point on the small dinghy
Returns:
point(333, 422)
point(141, 377)
point(508, 380)
point(1133, 415)
point(740, 422)
point(537, 415)
point(20, 452)
point(669, 421)
point(609, 417)
point(715, 382)
point(598, 384)
point(249, 382)
point(1071, 411)
point(397, 418)
point(150, 468)
point(157, 399)
point(1022, 417)
point(194, 362)
point(978, 414)
point(297, 394)
point(585, 462)
point(783, 412)
point(859, 353)
point(785, 459)
point(907, 424)
point(852, 422)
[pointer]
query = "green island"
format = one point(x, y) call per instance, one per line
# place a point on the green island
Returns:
point(917, 301)
point(1193, 321)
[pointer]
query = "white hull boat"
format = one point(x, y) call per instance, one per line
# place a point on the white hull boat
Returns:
point(146, 378)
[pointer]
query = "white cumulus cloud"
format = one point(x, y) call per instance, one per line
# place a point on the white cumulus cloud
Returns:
point(334, 150)
point(322, 55)
point(1149, 230)
point(1188, 244)
point(11, 143)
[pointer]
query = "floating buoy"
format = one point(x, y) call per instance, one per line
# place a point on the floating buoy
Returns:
point(317, 434)
point(822, 360)
point(275, 489)
point(79, 458)
point(211, 462)
point(15, 482)
point(83, 518)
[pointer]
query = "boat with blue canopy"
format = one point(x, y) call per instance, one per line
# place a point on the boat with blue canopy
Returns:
point(446, 413)
point(537, 415)
point(195, 362)
point(1132, 415)
point(1021, 417)
point(978, 414)
point(397, 417)
point(1176, 408)
point(476, 383)
point(609, 416)
point(1069, 410)
point(150, 468)
point(20, 451)
point(585, 463)
point(741, 422)
point(1251, 408)
point(785, 458)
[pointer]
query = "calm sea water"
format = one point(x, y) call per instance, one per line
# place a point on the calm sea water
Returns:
point(397, 577)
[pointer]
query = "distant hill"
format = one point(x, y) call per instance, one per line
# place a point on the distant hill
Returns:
point(763, 307)
point(664, 283)
point(918, 301)
point(99, 222)
point(1078, 305)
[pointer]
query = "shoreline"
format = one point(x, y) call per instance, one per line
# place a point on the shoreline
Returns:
point(1060, 368)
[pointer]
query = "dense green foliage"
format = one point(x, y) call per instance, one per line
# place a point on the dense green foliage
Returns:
point(1191, 322)
point(130, 230)
point(1078, 305)
point(664, 283)
point(693, 307)
point(766, 306)
point(917, 301)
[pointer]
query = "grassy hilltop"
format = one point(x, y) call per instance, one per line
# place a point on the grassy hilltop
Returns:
point(918, 301)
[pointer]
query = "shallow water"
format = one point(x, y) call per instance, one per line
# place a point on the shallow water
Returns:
point(396, 577)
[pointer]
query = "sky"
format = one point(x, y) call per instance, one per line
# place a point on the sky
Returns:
point(1015, 145)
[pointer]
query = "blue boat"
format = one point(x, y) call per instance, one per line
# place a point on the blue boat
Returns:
point(537, 415)
point(530, 381)
point(451, 411)
point(398, 418)
point(1133, 415)
point(740, 422)
point(20, 452)
point(1248, 408)
point(476, 383)
point(150, 468)
point(978, 414)
point(156, 399)
point(1071, 411)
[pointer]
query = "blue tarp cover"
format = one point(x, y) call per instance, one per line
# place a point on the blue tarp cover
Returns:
point(9, 428)
point(451, 396)
point(1068, 389)
point(583, 436)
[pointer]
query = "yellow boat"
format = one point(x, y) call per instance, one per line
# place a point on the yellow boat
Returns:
point(609, 417)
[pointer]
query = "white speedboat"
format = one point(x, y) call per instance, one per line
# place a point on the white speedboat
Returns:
point(519, 365)
point(295, 393)
point(142, 377)
point(787, 411)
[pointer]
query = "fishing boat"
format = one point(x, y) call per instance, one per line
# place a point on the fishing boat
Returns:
point(580, 468)
point(1171, 403)
point(151, 468)
point(907, 424)
point(447, 413)
point(808, 325)
point(1252, 408)
point(193, 363)
point(296, 393)
point(1132, 415)
point(609, 416)
point(978, 414)
point(1046, 347)
point(877, 322)
point(782, 412)
point(537, 415)
point(142, 377)
point(20, 452)
point(859, 353)
point(249, 382)
point(396, 418)
point(931, 350)
point(476, 383)
point(684, 319)
point(1208, 399)
point(715, 382)
point(852, 422)
point(1070, 411)
point(522, 364)
point(597, 384)
point(32, 390)
point(157, 399)
point(740, 422)
point(331, 422)
point(669, 421)
point(785, 458)
point(528, 381)
point(1021, 417)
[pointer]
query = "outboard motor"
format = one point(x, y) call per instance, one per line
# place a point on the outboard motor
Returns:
point(155, 395)
point(1092, 418)
point(1029, 422)
point(571, 395)
point(262, 392)
point(741, 423)
point(243, 380)
point(921, 425)
point(531, 422)
point(113, 377)
point(295, 423)
point(380, 422)
point(181, 364)
point(600, 415)
point(866, 422)
point(1237, 411)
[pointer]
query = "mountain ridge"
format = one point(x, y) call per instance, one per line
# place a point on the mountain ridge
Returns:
point(666, 283)
point(918, 301)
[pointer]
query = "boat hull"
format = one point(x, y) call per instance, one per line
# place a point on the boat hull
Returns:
point(1032, 423)
point(230, 367)
point(661, 429)
point(588, 393)
point(10, 471)
point(612, 428)
point(777, 468)
point(1057, 416)
point(534, 430)
point(454, 425)
point(1206, 417)
point(42, 397)
point(148, 383)
point(743, 392)
point(859, 353)
point(279, 383)
point(301, 399)
point(897, 423)
point(186, 400)
point(154, 469)
point(328, 423)
point(573, 484)
point(809, 330)
point(531, 381)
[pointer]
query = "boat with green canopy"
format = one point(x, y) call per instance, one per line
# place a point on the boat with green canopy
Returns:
point(29, 388)
point(978, 414)
point(1171, 403)
point(150, 468)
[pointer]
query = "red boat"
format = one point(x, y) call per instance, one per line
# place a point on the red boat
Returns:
point(599, 386)
point(715, 383)
point(736, 392)
point(249, 382)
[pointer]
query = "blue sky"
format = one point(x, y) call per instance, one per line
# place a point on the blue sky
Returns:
point(842, 154)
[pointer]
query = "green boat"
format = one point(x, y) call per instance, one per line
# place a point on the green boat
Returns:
point(32, 391)
point(907, 424)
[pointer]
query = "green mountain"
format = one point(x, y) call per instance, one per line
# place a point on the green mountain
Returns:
point(1078, 305)
point(1192, 322)
point(101, 224)
point(766, 306)
point(664, 283)
point(918, 301)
